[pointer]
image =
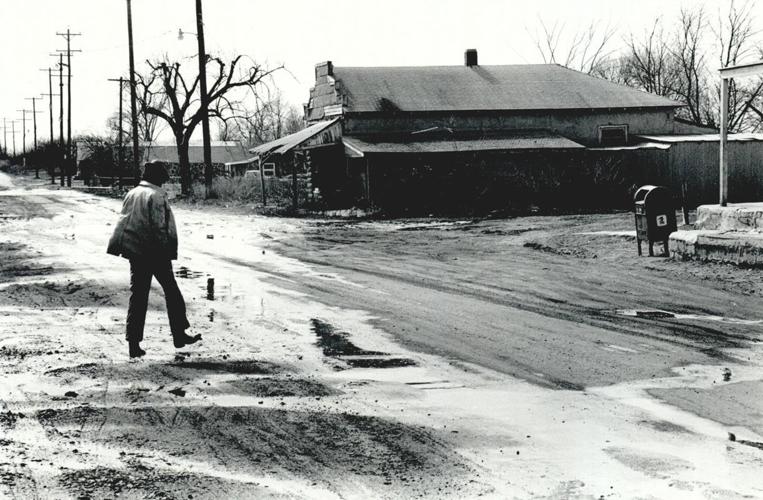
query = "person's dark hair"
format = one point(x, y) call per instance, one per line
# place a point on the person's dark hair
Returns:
point(155, 173)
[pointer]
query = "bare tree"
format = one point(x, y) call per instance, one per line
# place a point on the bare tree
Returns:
point(180, 107)
point(649, 64)
point(587, 50)
point(691, 86)
point(269, 119)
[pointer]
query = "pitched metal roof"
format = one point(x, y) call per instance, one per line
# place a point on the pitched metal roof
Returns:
point(744, 137)
point(525, 140)
point(284, 144)
point(222, 152)
point(482, 88)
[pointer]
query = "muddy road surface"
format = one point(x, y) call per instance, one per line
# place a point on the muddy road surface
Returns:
point(534, 357)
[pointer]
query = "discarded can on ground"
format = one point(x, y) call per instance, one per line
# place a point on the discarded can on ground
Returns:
point(655, 216)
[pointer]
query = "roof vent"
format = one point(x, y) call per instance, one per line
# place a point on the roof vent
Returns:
point(470, 57)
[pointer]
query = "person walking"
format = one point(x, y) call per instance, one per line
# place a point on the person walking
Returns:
point(146, 235)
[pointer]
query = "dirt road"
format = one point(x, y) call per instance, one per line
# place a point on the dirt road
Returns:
point(534, 357)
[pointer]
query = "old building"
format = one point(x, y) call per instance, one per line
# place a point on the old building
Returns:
point(479, 138)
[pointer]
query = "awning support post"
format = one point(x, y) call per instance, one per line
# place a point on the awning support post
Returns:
point(724, 156)
point(368, 183)
point(727, 74)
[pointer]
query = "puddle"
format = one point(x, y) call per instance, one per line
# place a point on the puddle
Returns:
point(659, 314)
point(336, 344)
point(378, 362)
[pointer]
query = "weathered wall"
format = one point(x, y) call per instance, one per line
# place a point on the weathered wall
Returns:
point(581, 126)
point(463, 183)
point(698, 164)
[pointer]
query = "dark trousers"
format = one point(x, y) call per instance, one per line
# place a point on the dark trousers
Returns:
point(141, 273)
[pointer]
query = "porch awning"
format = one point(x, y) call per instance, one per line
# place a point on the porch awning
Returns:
point(242, 162)
point(355, 146)
point(285, 144)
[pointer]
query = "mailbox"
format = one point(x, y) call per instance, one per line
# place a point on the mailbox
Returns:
point(655, 216)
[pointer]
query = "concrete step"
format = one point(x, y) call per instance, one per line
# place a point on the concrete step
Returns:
point(737, 247)
point(734, 217)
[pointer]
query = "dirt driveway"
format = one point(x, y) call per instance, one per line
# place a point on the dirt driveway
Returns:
point(374, 360)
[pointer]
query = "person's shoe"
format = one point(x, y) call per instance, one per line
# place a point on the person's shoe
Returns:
point(135, 350)
point(183, 340)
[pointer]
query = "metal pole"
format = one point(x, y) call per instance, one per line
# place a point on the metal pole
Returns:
point(724, 167)
point(13, 130)
point(208, 173)
point(133, 97)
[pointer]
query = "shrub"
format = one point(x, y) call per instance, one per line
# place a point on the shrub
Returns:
point(248, 190)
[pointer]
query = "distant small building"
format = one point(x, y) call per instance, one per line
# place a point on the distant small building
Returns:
point(223, 152)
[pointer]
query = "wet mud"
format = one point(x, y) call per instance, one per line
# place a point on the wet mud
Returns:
point(50, 294)
point(313, 445)
point(138, 481)
point(279, 387)
point(162, 373)
point(18, 260)
point(8, 420)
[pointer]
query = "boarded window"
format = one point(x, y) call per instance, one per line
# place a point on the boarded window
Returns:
point(613, 135)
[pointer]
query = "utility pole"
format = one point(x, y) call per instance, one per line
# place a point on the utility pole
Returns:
point(23, 129)
point(133, 97)
point(61, 112)
point(5, 138)
point(208, 173)
point(35, 157)
point(13, 134)
point(50, 95)
point(34, 118)
point(71, 164)
point(120, 151)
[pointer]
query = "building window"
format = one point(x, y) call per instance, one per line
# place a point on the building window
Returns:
point(269, 170)
point(613, 135)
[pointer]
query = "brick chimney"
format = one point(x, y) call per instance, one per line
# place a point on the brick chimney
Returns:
point(324, 69)
point(470, 57)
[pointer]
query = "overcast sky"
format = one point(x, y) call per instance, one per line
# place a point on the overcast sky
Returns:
point(296, 33)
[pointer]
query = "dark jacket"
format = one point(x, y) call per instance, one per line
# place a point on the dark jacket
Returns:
point(146, 226)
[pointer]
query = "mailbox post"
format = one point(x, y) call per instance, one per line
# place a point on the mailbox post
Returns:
point(655, 216)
